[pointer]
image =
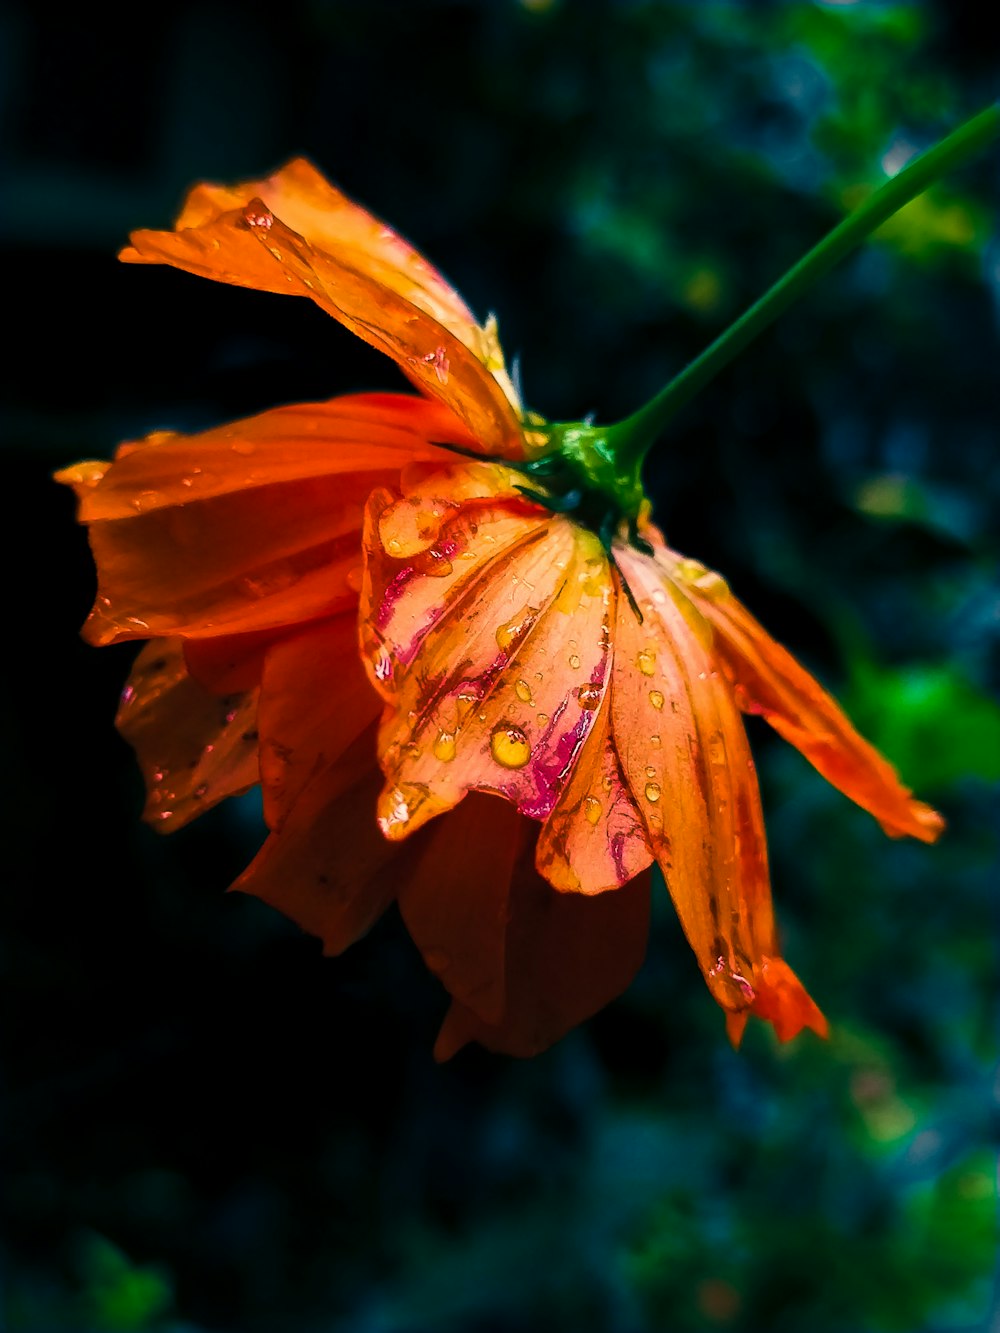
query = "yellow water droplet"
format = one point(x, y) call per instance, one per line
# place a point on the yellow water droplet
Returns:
point(606, 784)
point(514, 629)
point(523, 691)
point(655, 741)
point(509, 745)
point(646, 662)
point(652, 791)
point(591, 809)
point(696, 575)
point(542, 719)
point(444, 746)
point(656, 699)
point(650, 771)
point(574, 661)
point(589, 696)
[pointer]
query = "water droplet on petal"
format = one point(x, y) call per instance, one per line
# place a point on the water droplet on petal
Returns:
point(656, 699)
point(591, 809)
point(650, 771)
point(652, 791)
point(200, 791)
point(464, 704)
point(509, 745)
point(523, 691)
point(646, 662)
point(383, 664)
point(444, 746)
point(696, 575)
point(574, 661)
point(655, 741)
point(257, 215)
point(243, 447)
point(515, 629)
point(589, 696)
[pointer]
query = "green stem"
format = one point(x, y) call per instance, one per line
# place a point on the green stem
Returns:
point(631, 439)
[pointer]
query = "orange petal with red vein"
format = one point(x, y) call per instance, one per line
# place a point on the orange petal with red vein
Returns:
point(194, 748)
point(695, 784)
point(315, 700)
point(455, 902)
point(311, 241)
point(769, 681)
point(566, 956)
point(329, 869)
point(499, 702)
point(594, 839)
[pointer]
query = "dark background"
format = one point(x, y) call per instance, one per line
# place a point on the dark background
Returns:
point(207, 1126)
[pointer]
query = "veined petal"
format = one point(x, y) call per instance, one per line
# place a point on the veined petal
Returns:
point(194, 748)
point(315, 700)
point(595, 838)
point(329, 868)
point(684, 753)
point(566, 955)
point(514, 650)
point(768, 680)
point(295, 233)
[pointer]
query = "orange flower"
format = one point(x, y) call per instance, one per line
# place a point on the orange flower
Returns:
point(567, 662)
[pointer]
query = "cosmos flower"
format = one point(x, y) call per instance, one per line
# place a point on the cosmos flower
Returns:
point(391, 610)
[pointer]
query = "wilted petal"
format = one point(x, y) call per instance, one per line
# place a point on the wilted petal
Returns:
point(194, 748)
point(684, 753)
point(768, 680)
point(455, 903)
point(329, 868)
point(295, 233)
point(566, 956)
point(315, 700)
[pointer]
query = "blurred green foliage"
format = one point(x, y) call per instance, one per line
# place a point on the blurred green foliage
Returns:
point(202, 1115)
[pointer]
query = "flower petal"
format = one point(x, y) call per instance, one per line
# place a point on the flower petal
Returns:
point(194, 748)
point(329, 868)
point(594, 839)
point(455, 902)
point(566, 956)
point(514, 649)
point(295, 233)
point(364, 433)
point(768, 680)
point(315, 700)
point(684, 753)
point(248, 526)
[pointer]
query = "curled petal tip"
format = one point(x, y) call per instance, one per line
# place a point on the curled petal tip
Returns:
point(452, 1037)
point(928, 825)
point(781, 1000)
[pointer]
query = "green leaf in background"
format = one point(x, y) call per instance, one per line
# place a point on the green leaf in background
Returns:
point(934, 724)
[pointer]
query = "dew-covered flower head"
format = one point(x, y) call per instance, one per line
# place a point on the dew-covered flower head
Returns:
point(449, 643)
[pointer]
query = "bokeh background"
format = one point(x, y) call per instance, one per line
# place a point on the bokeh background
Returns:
point(207, 1126)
